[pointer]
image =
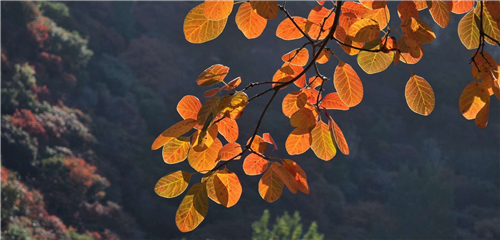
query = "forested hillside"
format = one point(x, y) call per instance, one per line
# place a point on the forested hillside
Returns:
point(87, 87)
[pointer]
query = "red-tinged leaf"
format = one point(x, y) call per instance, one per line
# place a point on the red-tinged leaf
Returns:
point(338, 136)
point(229, 129)
point(440, 12)
point(342, 36)
point(287, 30)
point(490, 26)
point(364, 30)
point(285, 176)
point(408, 9)
point(312, 95)
point(188, 107)
point(318, 27)
point(380, 15)
point(212, 75)
point(293, 102)
point(258, 145)
point(482, 115)
point(266, 9)
point(468, 30)
point(172, 184)
point(324, 56)
point(488, 83)
point(460, 7)
point(288, 72)
point(233, 106)
point(206, 160)
point(173, 132)
point(224, 188)
point(267, 137)
point(315, 82)
point(397, 55)
point(299, 141)
point(417, 30)
point(411, 50)
point(355, 8)
point(333, 101)
point(229, 151)
point(193, 208)
point(371, 4)
point(419, 95)
point(199, 29)
point(304, 118)
point(494, 9)
point(271, 186)
point(321, 2)
point(232, 84)
point(472, 100)
point(374, 62)
point(249, 21)
point(421, 5)
point(299, 175)
point(211, 92)
point(217, 9)
point(254, 164)
point(322, 142)
point(348, 84)
point(298, 57)
point(176, 150)
point(485, 63)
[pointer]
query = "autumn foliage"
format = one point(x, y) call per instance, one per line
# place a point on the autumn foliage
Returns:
point(360, 29)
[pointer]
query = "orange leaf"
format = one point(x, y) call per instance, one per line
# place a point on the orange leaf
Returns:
point(204, 161)
point(312, 95)
point(485, 63)
point(285, 176)
point(254, 164)
point(288, 72)
point(380, 15)
point(208, 112)
point(249, 22)
point(224, 188)
point(199, 29)
point(440, 12)
point(266, 9)
point(374, 62)
point(267, 137)
point(315, 82)
point(407, 9)
point(211, 92)
point(203, 139)
point(352, 7)
point(232, 84)
point(338, 136)
point(417, 30)
point(411, 50)
point(364, 30)
point(421, 5)
point(293, 102)
point(233, 106)
point(342, 36)
point(322, 142)
point(212, 75)
point(271, 186)
point(298, 142)
point(193, 208)
point(172, 184)
point(188, 107)
point(304, 118)
point(482, 115)
point(299, 175)
point(473, 99)
point(468, 30)
point(297, 57)
point(173, 132)
point(460, 7)
point(333, 101)
point(317, 27)
point(217, 9)
point(287, 30)
point(419, 95)
point(324, 56)
point(493, 8)
point(258, 145)
point(176, 150)
point(348, 84)
point(229, 151)
point(371, 4)
point(229, 129)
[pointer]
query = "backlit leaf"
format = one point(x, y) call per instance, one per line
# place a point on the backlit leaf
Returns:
point(342, 36)
point(353, 7)
point(233, 106)
point(211, 92)
point(267, 138)
point(285, 176)
point(288, 72)
point(411, 50)
point(485, 63)
point(212, 75)
point(232, 84)
point(364, 30)
point(348, 84)
point(304, 118)
point(374, 62)
point(312, 95)
point(217, 9)
point(299, 175)
point(297, 57)
point(229, 151)
point(193, 208)
point(407, 9)
point(249, 22)
point(482, 115)
point(208, 112)
point(421, 5)
point(298, 142)
point(315, 82)
point(317, 26)
point(322, 142)
point(440, 12)
point(417, 30)
point(204, 161)
point(173, 132)
point(324, 56)
point(203, 139)
point(199, 29)
point(266, 9)
point(419, 95)
point(490, 26)
point(338, 136)
point(258, 144)
point(229, 129)
point(172, 184)
point(293, 102)
point(333, 101)
point(472, 100)
point(461, 6)
point(271, 186)
point(224, 188)
point(254, 164)
point(468, 30)
point(287, 30)
point(373, 4)
point(494, 9)
point(176, 150)
point(380, 15)
point(188, 107)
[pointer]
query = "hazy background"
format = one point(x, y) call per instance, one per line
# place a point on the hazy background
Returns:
point(87, 87)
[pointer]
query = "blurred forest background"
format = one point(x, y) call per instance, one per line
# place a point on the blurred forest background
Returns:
point(87, 86)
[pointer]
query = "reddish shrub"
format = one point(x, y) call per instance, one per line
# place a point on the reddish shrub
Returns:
point(52, 62)
point(39, 31)
point(25, 120)
point(4, 174)
point(81, 172)
point(41, 93)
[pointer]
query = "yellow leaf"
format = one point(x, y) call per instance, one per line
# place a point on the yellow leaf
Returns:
point(199, 29)
point(490, 26)
point(364, 30)
point(208, 112)
point(299, 175)
point(229, 129)
point(224, 188)
point(193, 208)
point(419, 95)
point(206, 160)
point(254, 164)
point(285, 176)
point(348, 84)
point(203, 139)
point(468, 30)
point(173, 132)
point(176, 150)
point(380, 15)
point(473, 99)
point(212, 75)
point(249, 22)
point(304, 118)
point(338, 136)
point(440, 12)
point(172, 184)
point(266, 9)
point(233, 106)
point(217, 9)
point(271, 186)
point(322, 142)
point(374, 62)
point(418, 30)
point(229, 151)
point(188, 107)
point(258, 145)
